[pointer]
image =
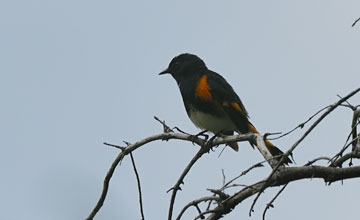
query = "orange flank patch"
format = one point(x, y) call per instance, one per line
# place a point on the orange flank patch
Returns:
point(236, 106)
point(203, 89)
point(253, 129)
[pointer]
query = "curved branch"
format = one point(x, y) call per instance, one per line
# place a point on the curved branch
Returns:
point(163, 136)
point(105, 186)
point(196, 202)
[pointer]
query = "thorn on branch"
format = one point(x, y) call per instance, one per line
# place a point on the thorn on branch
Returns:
point(175, 188)
point(301, 125)
point(127, 143)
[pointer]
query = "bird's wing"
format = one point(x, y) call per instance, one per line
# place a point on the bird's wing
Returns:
point(225, 96)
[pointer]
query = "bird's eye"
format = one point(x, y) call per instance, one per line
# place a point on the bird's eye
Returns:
point(177, 63)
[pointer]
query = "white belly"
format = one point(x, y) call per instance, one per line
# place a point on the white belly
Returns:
point(211, 123)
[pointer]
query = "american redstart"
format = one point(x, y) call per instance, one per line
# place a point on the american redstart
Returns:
point(210, 102)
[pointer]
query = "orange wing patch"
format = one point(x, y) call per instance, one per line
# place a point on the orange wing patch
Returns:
point(203, 89)
point(253, 129)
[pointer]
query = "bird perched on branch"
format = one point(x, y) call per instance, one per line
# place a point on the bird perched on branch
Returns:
point(210, 102)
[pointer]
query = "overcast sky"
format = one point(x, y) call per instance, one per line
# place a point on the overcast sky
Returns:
point(75, 74)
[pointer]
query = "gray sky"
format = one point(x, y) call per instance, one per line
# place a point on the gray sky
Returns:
point(75, 74)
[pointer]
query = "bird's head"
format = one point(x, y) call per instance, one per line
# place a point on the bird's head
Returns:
point(185, 65)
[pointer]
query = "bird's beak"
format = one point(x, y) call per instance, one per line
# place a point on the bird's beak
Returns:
point(166, 71)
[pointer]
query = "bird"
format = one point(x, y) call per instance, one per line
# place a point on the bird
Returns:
point(210, 101)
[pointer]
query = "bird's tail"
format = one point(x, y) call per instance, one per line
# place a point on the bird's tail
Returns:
point(234, 146)
point(272, 148)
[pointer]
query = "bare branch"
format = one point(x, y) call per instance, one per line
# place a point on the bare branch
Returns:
point(283, 176)
point(280, 175)
point(307, 132)
point(330, 109)
point(163, 136)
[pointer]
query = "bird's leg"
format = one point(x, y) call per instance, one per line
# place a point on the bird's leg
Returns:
point(181, 131)
point(202, 133)
point(218, 134)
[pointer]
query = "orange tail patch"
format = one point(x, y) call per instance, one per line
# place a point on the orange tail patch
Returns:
point(253, 129)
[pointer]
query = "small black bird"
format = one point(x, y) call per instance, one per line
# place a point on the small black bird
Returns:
point(210, 102)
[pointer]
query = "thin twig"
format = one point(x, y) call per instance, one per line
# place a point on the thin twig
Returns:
point(166, 128)
point(114, 145)
point(139, 186)
point(339, 162)
point(355, 22)
point(339, 155)
point(354, 125)
point(224, 177)
point(301, 125)
point(311, 162)
point(355, 121)
point(270, 204)
point(260, 164)
point(176, 187)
